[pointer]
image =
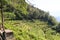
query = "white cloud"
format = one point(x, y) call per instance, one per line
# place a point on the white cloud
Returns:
point(53, 6)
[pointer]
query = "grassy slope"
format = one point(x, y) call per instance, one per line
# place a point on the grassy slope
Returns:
point(27, 30)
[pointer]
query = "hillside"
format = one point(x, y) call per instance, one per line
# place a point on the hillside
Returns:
point(27, 30)
point(28, 22)
point(20, 10)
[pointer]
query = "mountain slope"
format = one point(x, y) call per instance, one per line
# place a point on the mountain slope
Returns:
point(19, 9)
point(28, 22)
point(27, 30)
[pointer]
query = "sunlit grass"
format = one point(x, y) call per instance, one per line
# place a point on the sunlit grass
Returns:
point(27, 30)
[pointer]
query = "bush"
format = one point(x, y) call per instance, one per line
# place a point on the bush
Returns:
point(9, 15)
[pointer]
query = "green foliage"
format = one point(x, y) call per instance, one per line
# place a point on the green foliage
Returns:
point(22, 10)
point(8, 15)
point(33, 23)
point(57, 27)
point(27, 30)
point(52, 20)
point(18, 5)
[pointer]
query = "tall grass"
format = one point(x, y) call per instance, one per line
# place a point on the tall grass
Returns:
point(27, 30)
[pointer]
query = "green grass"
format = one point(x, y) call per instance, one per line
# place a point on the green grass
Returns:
point(27, 30)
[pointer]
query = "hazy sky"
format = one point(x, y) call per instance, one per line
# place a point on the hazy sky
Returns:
point(53, 6)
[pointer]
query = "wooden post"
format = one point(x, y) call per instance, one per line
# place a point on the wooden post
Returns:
point(2, 20)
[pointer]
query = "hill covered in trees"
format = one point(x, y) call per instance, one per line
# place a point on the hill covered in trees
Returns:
point(28, 22)
point(19, 9)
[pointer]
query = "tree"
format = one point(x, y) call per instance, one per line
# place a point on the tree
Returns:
point(58, 28)
point(52, 20)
